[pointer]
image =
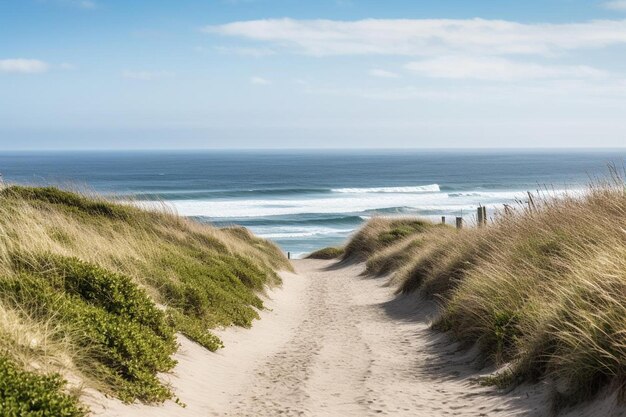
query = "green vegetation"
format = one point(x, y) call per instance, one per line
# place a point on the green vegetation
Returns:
point(123, 335)
point(27, 394)
point(68, 201)
point(103, 287)
point(540, 290)
point(326, 253)
point(382, 232)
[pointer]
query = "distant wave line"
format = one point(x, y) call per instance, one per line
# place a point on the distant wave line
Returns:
point(431, 188)
point(195, 194)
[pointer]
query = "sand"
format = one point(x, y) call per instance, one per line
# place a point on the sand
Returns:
point(336, 343)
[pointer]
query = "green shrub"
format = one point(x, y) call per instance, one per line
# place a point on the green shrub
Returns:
point(27, 394)
point(195, 329)
point(114, 293)
point(216, 288)
point(126, 339)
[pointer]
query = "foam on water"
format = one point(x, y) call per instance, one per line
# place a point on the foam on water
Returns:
point(432, 188)
point(344, 204)
point(305, 200)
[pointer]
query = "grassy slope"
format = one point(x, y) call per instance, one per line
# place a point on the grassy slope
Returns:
point(326, 253)
point(96, 291)
point(542, 290)
point(380, 233)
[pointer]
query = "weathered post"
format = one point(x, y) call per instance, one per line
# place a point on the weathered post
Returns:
point(288, 255)
point(459, 222)
point(482, 216)
point(443, 219)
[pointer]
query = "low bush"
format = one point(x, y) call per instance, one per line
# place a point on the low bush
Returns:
point(125, 339)
point(28, 394)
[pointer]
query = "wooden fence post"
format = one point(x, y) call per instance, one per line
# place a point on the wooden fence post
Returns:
point(288, 255)
point(482, 216)
point(443, 219)
point(459, 222)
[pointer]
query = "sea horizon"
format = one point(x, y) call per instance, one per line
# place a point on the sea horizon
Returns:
point(304, 200)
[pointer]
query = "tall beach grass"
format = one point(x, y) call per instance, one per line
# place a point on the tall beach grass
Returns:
point(541, 290)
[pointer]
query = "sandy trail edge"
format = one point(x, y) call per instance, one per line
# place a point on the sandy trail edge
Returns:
point(334, 343)
point(207, 382)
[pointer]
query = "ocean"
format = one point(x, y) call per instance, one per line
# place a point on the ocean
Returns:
point(305, 200)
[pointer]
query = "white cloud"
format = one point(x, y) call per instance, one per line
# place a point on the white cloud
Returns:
point(376, 72)
point(425, 36)
point(259, 81)
point(492, 68)
point(146, 75)
point(616, 5)
point(24, 66)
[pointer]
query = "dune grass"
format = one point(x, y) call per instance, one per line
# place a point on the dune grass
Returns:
point(95, 290)
point(326, 253)
point(381, 232)
point(541, 290)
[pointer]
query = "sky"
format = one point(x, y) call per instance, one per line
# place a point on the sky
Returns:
point(192, 74)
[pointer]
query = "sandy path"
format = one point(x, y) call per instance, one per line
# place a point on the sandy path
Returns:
point(359, 351)
point(337, 344)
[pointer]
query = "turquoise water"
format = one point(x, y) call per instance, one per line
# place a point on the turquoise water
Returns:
point(305, 200)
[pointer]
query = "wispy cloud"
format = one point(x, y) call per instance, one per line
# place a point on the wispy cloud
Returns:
point(23, 66)
point(146, 75)
point(497, 69)
point(376, 72)
point(615, 5)
point(424, 36)
point(259, 80)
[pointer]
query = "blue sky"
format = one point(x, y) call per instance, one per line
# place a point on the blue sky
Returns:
point(103, 74)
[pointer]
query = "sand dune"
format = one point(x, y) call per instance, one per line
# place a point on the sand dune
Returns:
point(335, 343)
